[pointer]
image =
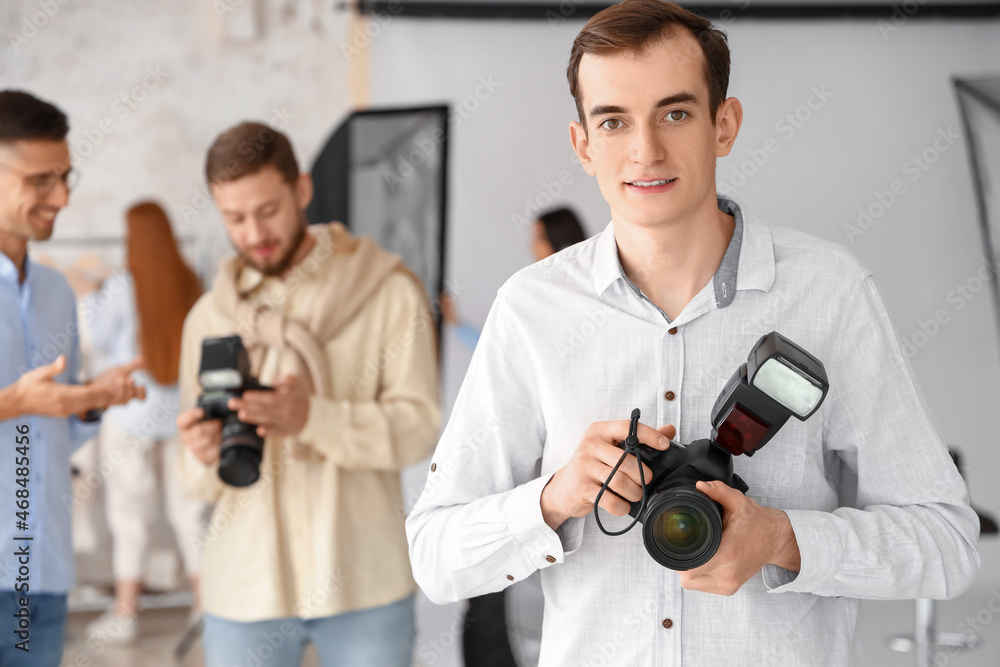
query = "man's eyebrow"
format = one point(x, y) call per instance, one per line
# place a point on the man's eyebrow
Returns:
point(678, 98)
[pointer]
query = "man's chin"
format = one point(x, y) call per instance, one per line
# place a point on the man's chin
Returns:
point(275, 268)
point(39, 233)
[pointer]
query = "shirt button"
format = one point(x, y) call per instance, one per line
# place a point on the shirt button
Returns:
point(550, 559)
point(434, 467)
point(510, 577)
point(672, 330)
point(670, 396)
point(667, 623)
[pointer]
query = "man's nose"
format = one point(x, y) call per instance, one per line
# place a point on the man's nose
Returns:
point(647, 145)
point(58, 197)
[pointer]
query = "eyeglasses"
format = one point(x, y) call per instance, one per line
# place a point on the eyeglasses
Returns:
point(45, 182)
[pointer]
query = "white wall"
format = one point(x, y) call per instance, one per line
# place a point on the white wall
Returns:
point(134, 135)
point(891, 94)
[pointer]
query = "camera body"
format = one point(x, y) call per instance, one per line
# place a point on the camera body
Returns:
point(224, 374)
point(681, 526)
point(679, 510)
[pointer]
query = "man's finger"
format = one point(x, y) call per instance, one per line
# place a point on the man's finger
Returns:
point(721, 493)
point(609, 456)
point(190, 418)
point(133, 365)
point(259, 399)
point(668, 430)
point(613, 503)
point(618, 430)
point(49, 371)
point(286, 383)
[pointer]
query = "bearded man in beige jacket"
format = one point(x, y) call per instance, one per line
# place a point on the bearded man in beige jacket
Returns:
point(315, 550)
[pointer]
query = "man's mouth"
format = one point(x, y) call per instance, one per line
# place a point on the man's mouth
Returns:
point(652, 184)
point(264, 250)
point(46, 217)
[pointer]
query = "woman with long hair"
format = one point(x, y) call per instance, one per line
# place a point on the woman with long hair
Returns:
point(142, 311)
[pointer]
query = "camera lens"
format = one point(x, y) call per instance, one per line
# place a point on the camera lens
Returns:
point(682, 527)
point(681, 530)
point(241, 453)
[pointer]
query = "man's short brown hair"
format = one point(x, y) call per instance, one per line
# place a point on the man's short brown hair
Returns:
point(633, 25)
point(246, 149)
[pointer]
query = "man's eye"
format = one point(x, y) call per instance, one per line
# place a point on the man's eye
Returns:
point(677, 115)
point(607, 124)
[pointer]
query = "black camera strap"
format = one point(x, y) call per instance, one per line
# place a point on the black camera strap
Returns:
point(631, 446)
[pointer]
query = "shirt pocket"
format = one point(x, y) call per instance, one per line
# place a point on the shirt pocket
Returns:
point(774, 473)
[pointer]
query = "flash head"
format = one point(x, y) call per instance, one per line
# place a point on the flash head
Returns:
point(780, 379)
point(788, 374)
point(225, 363)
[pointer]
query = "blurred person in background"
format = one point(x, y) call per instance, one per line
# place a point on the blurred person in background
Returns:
point(44, 412)
point(504, 629)
point(314, 550)
point(143, 310)
point(553, 231)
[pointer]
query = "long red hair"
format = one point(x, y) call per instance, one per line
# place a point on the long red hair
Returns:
point(165, 289)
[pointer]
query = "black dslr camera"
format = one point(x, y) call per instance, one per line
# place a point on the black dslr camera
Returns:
point(225, 374)
point(681, 526)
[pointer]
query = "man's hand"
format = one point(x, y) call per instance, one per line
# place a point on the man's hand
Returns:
point(115, 386)
point(281, 412)
point(573, 488)
point(202, 438)
point(752, 537)
point(37, 392)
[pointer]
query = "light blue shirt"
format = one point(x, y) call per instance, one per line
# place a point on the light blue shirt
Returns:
point(37, 324)
point(111, 319)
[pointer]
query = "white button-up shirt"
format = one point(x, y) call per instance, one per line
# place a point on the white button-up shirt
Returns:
point(878, 508)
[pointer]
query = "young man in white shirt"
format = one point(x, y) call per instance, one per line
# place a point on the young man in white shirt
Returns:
point(861, 500)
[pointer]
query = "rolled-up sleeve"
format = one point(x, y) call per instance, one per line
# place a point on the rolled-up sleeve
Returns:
point(910, 532)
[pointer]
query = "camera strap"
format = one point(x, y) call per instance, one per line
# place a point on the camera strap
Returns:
point(631, 446)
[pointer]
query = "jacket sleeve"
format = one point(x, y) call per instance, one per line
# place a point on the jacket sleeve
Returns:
point(909, 531)
point(400, 425)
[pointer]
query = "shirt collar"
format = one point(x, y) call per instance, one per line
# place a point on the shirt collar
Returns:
point(9, 271)
point(748, 261)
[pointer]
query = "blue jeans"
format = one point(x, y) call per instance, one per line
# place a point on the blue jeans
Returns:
point(377, 637)
point(45, 625)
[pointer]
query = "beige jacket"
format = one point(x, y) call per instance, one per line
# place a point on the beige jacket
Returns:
point(321, 532)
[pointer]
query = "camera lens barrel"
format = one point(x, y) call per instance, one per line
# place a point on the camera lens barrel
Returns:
point(682, 527)
point(241, 453)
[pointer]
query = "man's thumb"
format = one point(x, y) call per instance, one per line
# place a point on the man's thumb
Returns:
point(717, 491)
point(669, 430)
point(49, 371)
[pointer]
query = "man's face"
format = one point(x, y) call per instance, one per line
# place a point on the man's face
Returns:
point(651, 141)
point(32, 187)
point(264, 217)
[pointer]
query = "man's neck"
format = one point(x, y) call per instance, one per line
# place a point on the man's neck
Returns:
point(16, 248)
point(672, 262)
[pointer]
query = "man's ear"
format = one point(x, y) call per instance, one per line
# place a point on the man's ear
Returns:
point(727, 125)
point(581, 146)
point(304, 190)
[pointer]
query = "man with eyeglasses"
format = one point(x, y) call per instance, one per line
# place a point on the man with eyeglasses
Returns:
point(44, 412)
